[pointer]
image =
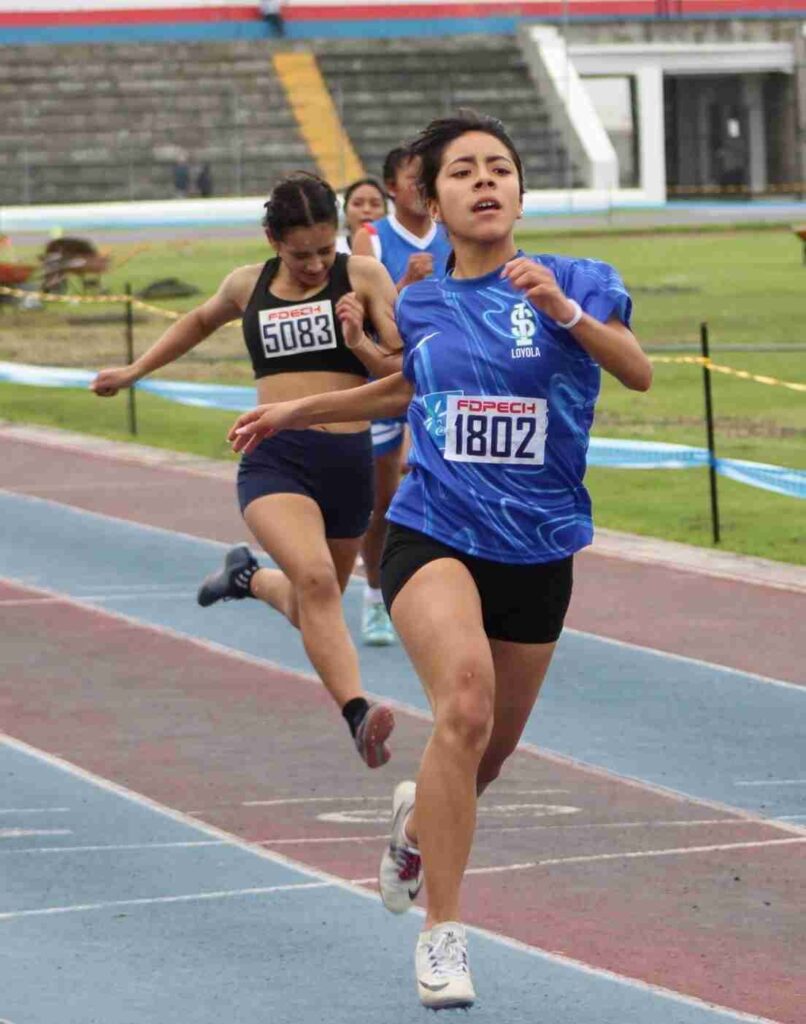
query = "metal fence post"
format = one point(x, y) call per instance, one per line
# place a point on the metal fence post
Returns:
point(130, 357)
point(709, 427)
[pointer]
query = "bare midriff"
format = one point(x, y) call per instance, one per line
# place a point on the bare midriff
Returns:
point(284, 387)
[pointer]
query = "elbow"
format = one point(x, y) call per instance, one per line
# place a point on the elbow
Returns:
point(640, 378)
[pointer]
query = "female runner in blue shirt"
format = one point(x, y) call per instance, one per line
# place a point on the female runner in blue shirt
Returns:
point(308, 498)
point(500, 375)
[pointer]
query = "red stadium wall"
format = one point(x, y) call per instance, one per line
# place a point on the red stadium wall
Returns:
point(139, 20)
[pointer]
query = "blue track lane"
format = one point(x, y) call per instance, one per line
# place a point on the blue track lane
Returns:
point(158, 933)
point(695, 728)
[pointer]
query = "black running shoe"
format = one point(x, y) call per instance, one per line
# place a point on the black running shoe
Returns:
point(232, 582)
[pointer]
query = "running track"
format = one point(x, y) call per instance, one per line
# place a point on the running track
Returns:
point(185, 831)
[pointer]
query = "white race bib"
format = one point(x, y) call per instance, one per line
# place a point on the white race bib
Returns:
point(488, 428)
point(292, 330)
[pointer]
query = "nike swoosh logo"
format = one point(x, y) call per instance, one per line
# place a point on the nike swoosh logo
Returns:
point(434, 988)
point(413, 895)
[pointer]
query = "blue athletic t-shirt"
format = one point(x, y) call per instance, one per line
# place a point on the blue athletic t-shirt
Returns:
point(397, 245)
point(501, 413)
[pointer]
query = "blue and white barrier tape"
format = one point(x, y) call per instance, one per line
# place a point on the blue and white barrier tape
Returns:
point(609, 452)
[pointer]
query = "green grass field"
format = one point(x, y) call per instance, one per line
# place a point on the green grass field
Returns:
point(748, 285)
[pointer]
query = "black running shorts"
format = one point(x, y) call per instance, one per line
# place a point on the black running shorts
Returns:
point(525, 604)
point(335, 470)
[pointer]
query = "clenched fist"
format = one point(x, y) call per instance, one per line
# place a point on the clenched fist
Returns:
point(540, 287)
point(109, 382)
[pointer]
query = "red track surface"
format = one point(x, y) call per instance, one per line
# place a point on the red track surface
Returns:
point(207, 732)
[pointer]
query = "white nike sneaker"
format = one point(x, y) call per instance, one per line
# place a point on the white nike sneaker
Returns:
point(440, 961)
point(401, 874)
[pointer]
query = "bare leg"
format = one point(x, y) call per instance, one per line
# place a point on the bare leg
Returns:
point(452, 656)
point(387, 478)
point(519, 673)
point(308, 586)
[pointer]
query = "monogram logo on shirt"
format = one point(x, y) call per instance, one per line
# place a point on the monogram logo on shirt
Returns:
point(523, 323)
point(523, 329)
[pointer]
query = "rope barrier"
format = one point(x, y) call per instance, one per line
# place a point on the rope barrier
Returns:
point(171, 314)
point(730, 371)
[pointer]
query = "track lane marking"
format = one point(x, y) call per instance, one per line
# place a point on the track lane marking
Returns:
point(544, 753)
point(345, 885)
point(144, 901)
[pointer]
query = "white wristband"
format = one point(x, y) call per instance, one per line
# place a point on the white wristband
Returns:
point(578, 314)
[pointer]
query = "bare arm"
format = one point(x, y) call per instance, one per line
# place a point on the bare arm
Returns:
point(613, 345)
point(615, 348)
point(374, 299)
point(378, 400)
point(362, 243)
point(189, 331)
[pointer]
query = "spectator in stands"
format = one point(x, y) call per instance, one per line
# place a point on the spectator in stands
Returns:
point(271, 11)
point(306, 498)
point(182, 177)
point(204, 181)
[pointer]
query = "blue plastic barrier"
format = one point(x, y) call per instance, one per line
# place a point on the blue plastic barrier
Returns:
point(609, 452)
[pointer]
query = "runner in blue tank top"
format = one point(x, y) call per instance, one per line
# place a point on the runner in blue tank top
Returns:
point(411, 246)
point(501, 370)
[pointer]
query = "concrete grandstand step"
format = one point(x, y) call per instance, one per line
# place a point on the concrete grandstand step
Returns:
point(113, 119)
point(387, 93)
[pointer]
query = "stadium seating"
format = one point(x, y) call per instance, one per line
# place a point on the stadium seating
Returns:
point(95, 123)
point(389, 89)
point(85, 123)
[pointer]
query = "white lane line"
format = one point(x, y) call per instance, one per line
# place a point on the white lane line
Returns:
point(114, 848)
point(100, 598)
point(316, 840)
point(186, 595)
point(543, 753)
point(33, 810)
point(358, 890)
point(772, 782)
point(359, 580)
point(633, 855)
point(500, 869)
point(366, 816)
point(480, 830)
point(22, 833)
point(685, 659)
point(137, 589)
point(193, 897)
point(359, 799)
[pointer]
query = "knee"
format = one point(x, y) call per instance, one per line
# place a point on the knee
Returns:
point(465, 718)
point(317, 583)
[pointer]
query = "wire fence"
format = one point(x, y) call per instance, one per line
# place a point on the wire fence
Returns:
point(608, 452)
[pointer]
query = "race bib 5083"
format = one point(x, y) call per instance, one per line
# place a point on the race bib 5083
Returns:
point(488, 428)
point(290, 330)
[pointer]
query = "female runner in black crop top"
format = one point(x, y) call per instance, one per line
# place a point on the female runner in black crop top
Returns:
point(307, 498)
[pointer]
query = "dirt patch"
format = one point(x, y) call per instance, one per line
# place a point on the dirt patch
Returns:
point(729, 426)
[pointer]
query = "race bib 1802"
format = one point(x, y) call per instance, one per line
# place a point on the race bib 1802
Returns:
point(290, 330)
point(488, 428)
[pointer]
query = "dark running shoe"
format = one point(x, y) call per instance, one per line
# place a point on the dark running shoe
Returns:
point(232, 582)
point(371, 735)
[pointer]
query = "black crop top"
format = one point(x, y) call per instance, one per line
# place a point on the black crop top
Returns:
point(284, 336)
